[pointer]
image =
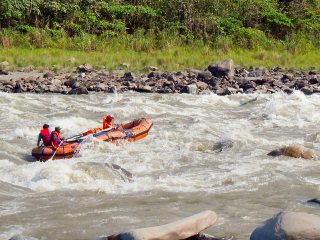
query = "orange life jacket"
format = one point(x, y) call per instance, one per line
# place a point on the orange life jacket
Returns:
point(55, 139)
point(46, 137)
point(107, 124)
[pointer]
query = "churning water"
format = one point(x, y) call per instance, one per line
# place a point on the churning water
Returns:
point(203, 152)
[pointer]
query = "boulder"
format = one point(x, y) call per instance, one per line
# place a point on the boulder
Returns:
point(180, 229)
point(222, 69)
point(79, 90)
point(191, 89)
point(85, 68)
point(293, 151)
point(48, 75)
point(289, 226)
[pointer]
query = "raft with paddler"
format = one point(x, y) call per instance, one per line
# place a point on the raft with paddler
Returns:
point(54, 146)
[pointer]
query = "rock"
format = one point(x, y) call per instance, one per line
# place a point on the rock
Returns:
point(307, 90)
point(288, 76)
point(222, 69)
point(85, 68)
point(2, 72)
point(154, 74)
point(153, 68)
point(289, 226)
point(18, 88)
point(80, 90)
point(48, 75)
point(182, 229)
point(146, 89)
point(204, 75)
point(113, 89)
point(313, 72)
point(129, 76)
point(71, 81)
point(191, 89)
point(171, 78)
point(293, 151)
point(314, 201)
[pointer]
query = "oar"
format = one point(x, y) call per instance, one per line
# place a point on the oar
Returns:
point(81, 137)
point(55, 152)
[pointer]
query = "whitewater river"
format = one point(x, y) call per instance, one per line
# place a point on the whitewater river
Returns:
point(203, 152)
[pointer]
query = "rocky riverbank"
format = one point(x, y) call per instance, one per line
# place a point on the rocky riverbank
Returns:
point(221, 78)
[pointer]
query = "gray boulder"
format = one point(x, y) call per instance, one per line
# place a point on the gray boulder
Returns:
point(190, 89)
point(222, 69)
point(289, 226)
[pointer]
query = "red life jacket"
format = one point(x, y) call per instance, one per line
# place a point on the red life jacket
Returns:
point(107, 124)
point(55, 140)
point(45, 135)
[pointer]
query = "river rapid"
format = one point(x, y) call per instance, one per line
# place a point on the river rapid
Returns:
point(204, 152)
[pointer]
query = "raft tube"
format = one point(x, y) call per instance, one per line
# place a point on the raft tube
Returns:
point(131, 132)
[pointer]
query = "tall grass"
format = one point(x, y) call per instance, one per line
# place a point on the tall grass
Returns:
point(172, 58)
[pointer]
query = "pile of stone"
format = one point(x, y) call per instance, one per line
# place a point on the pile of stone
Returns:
point(221, 78)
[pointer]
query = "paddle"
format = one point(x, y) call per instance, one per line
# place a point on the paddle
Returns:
point(83, 137)
point(55, 152)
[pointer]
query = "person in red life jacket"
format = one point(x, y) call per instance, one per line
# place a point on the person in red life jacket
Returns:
point(56, 138)
point(44, 135)
point(109, 124)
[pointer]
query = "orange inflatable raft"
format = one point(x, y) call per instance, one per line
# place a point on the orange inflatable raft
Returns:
point(132, 131)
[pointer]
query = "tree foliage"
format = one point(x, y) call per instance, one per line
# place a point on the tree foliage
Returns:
point(201, 19)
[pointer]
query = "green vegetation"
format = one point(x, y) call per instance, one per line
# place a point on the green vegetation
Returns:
point(171, 34)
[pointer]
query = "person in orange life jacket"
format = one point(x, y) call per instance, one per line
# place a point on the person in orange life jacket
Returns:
point(44, 135)
point(109, 124)
point(56, 138)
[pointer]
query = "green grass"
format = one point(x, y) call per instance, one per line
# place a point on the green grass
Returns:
point(170, 58)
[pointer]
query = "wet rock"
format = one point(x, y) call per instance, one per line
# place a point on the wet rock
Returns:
point(293, 151)
point(222, 69)
point(18, 88)
point(80, 90)
point(190, 89)
point(222, 145)
point(307, 90)
point(289, 226)
point(314, 201)
point(113, 89)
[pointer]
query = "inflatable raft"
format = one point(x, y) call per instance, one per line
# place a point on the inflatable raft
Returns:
point(132, 131)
